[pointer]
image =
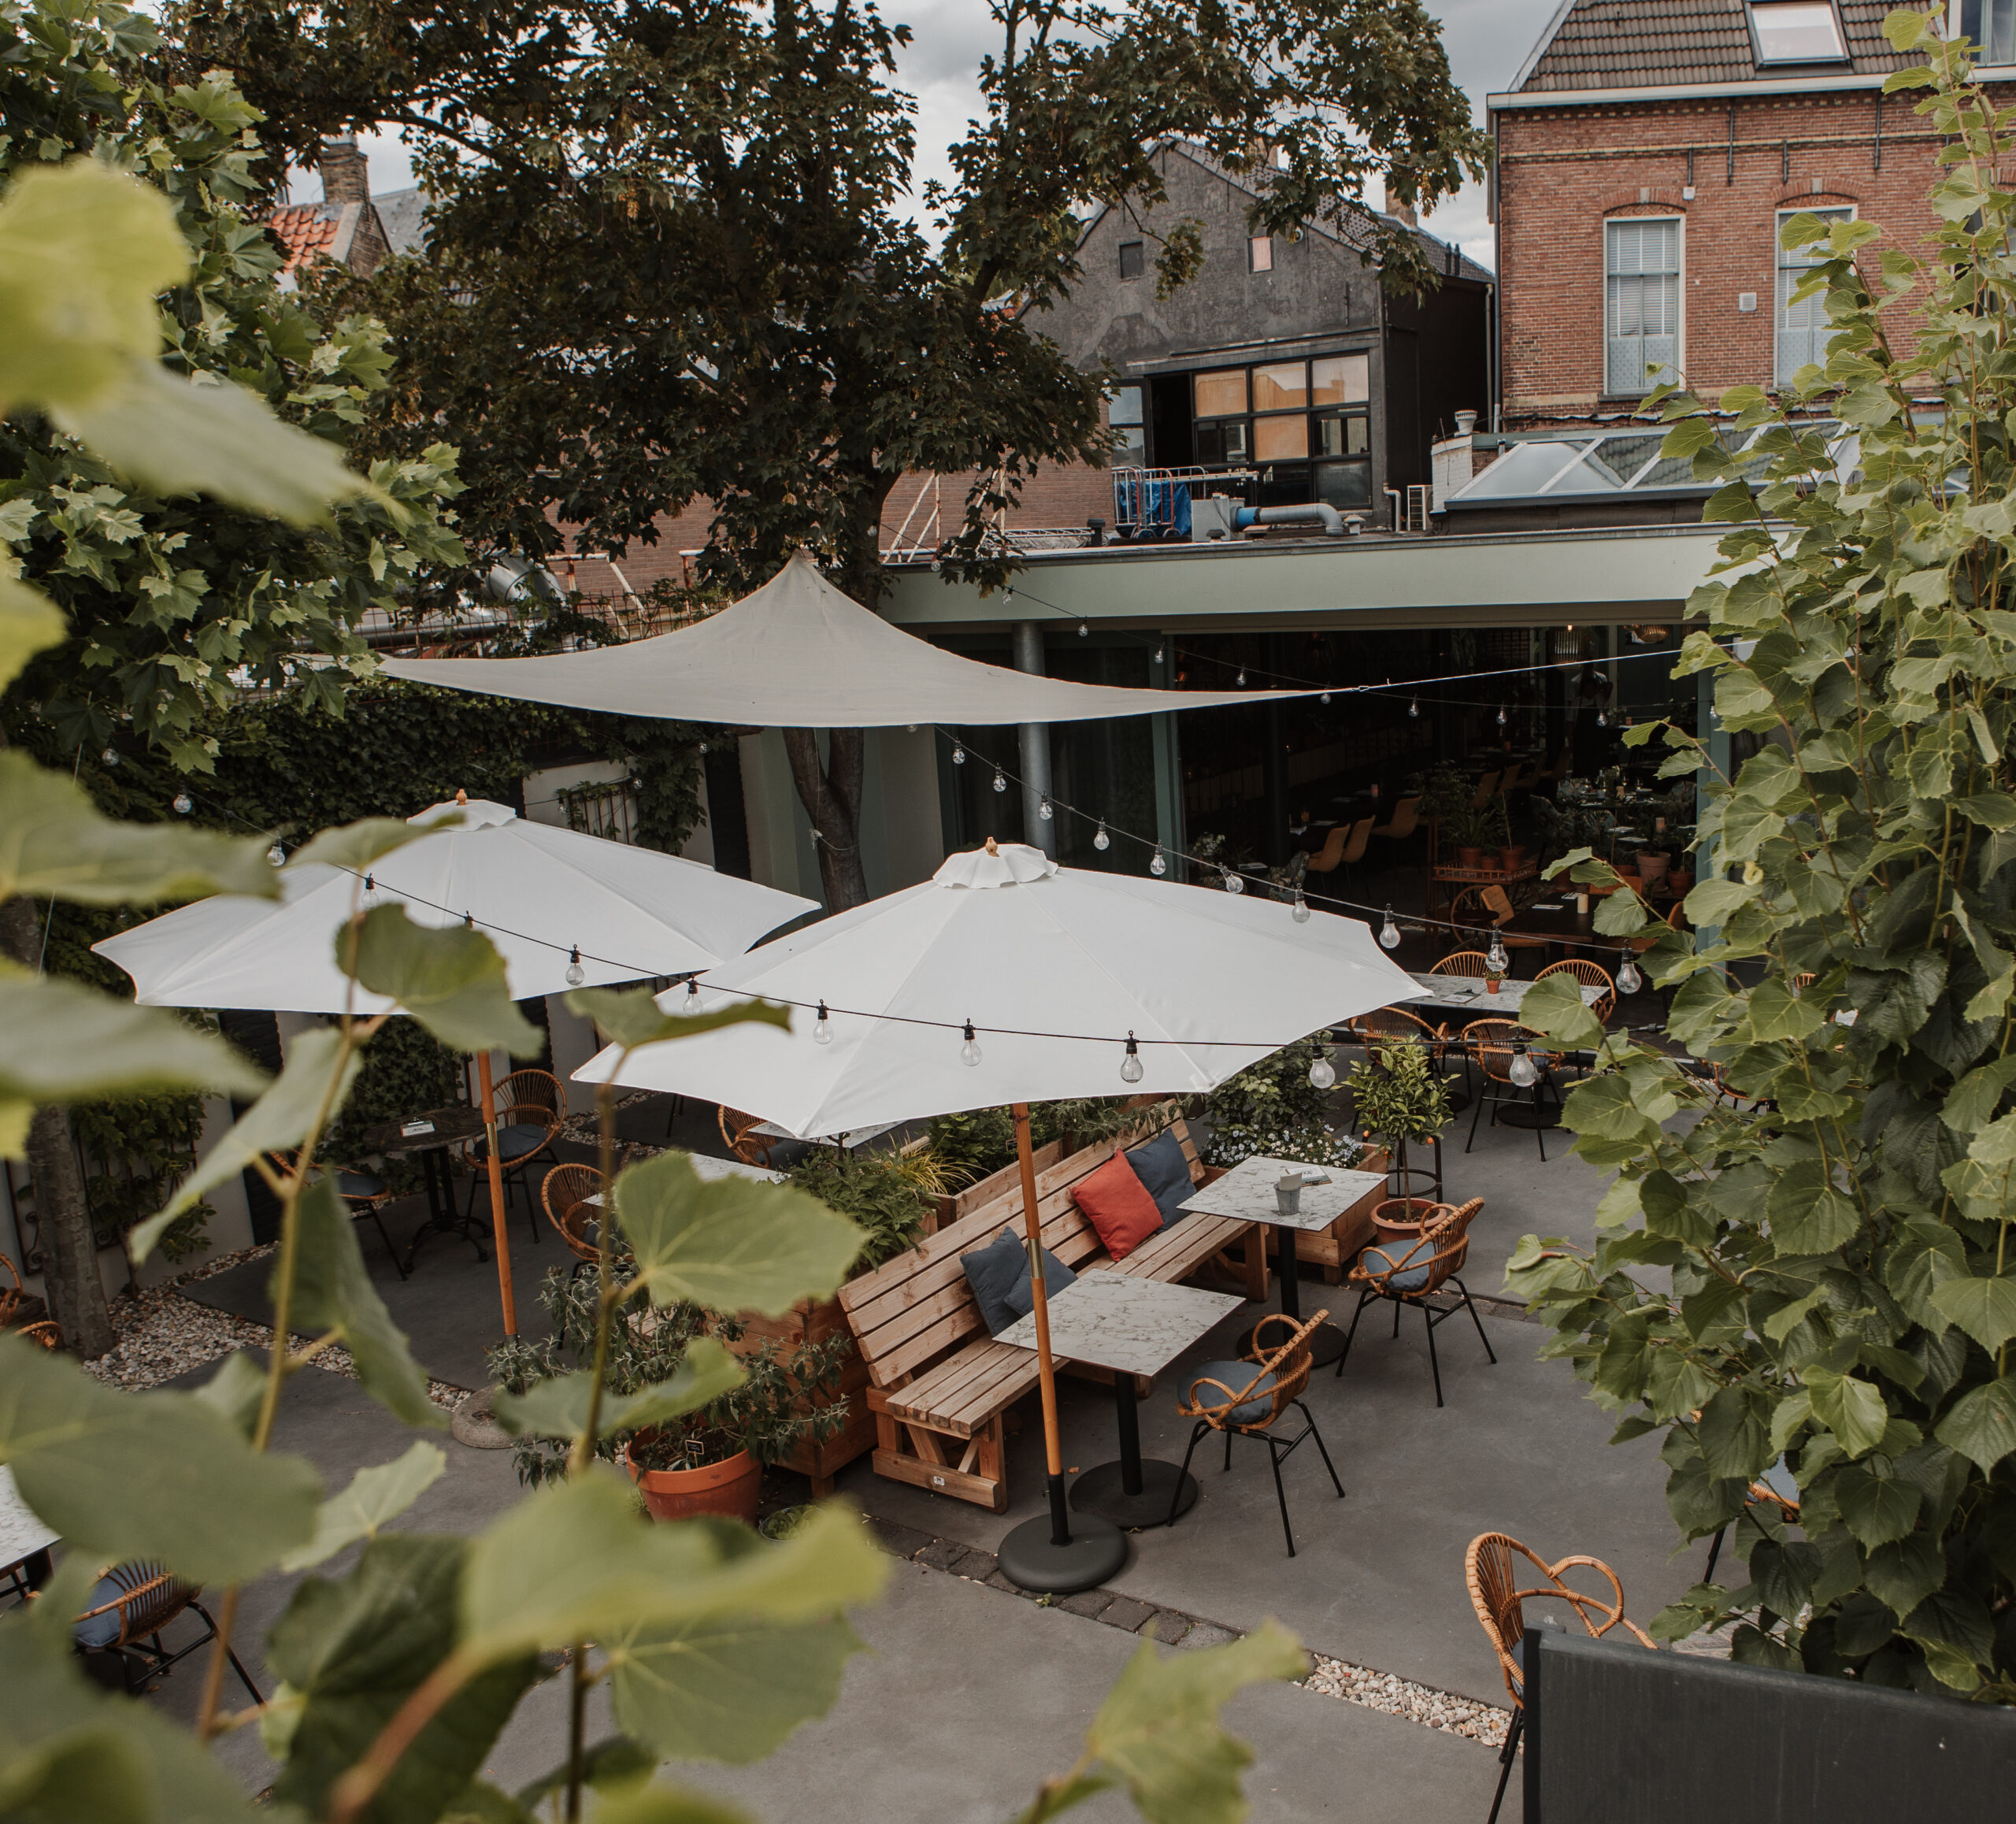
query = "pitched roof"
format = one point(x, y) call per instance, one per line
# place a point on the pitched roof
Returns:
point(1624, 44)
point(306, 231)
point(402, 213)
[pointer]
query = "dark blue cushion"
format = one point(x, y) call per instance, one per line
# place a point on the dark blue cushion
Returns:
point(100, 1631)
point(992, 1271)
point(1233, 1376)
point(1165, 1173)
point(514, 1143)
point(1382, 1256)
point(359, 1184)
point(1021, 1296)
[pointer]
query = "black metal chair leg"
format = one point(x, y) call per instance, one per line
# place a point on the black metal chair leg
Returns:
point(1539, 1121)
point(1309, 1419)
point(1714, 1551)
point(378, 1223)
point(1227, 1469)
point(1396, 1320)
point(1482, 1099)
point(1474, 1318)
point(1363, 1295)
point(1434, 1361)
point(244, 1677)
point(1281, 1494)
point(1506, 1755)
point(1196, 1431)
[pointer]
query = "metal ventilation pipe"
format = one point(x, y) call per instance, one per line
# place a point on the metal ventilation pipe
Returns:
point(1328, 517)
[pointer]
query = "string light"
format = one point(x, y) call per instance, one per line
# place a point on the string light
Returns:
point(1523, 1071)
point(1084, 630)
point(1494, 957)
point(1101, 840)
point(969, 1051)
point(110, 758)
point(1628, 979)
point(370, 901)
point(1300, 911)
point(692, 995)
point(1324, 699)
point(575, 974)
point(1235, 881)
point(1414, 710)
point(1501, 715)
point(1322, 1073)
point(183, 804)
point(277, 855)
point(1000, 780)
point(958, 755)
point(822, 1030)
point(1242, 677)
point(1044, 811)
point(1157, 865)
point(1389, 933)
point(1130, 1066)
point(1158, 655)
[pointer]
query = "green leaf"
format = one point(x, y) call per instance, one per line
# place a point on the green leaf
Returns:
point(1735, 1440)
point(558, 1407)
point(1876, 1509)
point(1982, 1425)
point(92, 1776)
point(29, 623)
point(450, 979)
point(1902, 1572)
point(55, 843)
point(376, 1496)
point(280, 1119)
point(1777, 1013)
point(481, 1803)
point(1808, 1215)
point(1852, 1410)
point(1555, 1006)
point(658, 1804)
point(1159, 1730)
point(352, 1649)
point(237, 1390)
point(1712, 902)
point(1985, 1308)
point(354, 846)
point(630, 1017)
point(733, 1245)
point(612, 1765)
point(332, 1291)
point(78, 1449)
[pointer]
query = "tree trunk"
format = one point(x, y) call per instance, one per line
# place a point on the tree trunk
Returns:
point(831, 798)
point(69, 1254)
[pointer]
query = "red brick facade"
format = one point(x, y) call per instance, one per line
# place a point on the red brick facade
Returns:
point(1564, 170)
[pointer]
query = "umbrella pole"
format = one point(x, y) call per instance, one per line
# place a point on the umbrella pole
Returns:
point(499, 1234)
point(1044, 1554)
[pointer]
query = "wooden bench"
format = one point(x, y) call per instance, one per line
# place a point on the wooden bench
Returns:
point(939, 1385)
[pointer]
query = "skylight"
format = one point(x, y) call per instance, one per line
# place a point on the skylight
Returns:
point(1797, 31)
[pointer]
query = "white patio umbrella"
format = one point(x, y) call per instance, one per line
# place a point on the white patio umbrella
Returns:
point(565, 909)
point(1062, 982)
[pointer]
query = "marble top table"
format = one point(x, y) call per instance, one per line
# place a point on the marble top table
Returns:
point(429, 1135)
point(1467, 991)
point(1133, 1326)
point(710, 1169)
point(1247, 1192)
point(24, 1537)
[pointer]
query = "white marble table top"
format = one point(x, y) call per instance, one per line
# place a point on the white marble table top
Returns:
point(710, 1169)
point(1112, 1320)
point(1467, 991)
point(1246, 1193)
point(21, 1534)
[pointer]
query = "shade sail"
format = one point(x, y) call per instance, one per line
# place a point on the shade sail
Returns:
point(797, 654)
point(1055, 966)
point(536, 891)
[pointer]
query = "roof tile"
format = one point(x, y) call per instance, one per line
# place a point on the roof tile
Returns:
point(1621, 44)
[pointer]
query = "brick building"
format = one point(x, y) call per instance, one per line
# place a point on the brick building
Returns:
point(344, 226)
point(1648, 152)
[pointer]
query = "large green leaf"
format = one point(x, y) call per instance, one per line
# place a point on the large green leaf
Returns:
point(1556, 1007)
point(736, 1244)
point(1876, 1509)
point(558, 1407)
point(659, 1804)
point(1985, 1308)
point(614, 1764)
point(29, 623)
point(575, 1560)
point(54, 842)
point(630, 1017)
point(1982, 1425)
point(279, 1120)
point(376, 1496)
point(450, 978)
point(352, 1649)
point(90, 1776)
point(332, 1291)
point(356, 846)
point(1852, 1409)
point(214, 1510)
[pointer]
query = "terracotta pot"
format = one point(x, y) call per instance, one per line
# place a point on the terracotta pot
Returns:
point(1653, 868)
point(1493, 983)
point(1679, 882)
point(728, 1489)
point(1470, 858)
point(1402, 1216)
point(1511, 860)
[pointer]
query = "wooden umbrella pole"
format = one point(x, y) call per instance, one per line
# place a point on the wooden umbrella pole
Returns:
point(1060, 1521)
point(498, 1233)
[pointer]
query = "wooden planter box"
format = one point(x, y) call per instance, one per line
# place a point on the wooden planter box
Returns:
point(809, 1322)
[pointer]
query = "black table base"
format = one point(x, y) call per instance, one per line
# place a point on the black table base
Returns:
point(1131, 1492)
point(1326, 1341)
point(442, 1217)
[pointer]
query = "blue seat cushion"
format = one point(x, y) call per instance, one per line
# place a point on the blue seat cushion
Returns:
point(1165, 1174)
point(95, 1634)
point(514, 1143)
point(1382, 1256)
point(359, 1184)
point(1021, 1296)
point(991, 1271)
point(1233, 1376)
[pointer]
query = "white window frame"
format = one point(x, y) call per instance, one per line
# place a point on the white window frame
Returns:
point(1987, 61)
point(1646, 384)
point(1833, 211)
point(1844, 55)
point(1255, 246)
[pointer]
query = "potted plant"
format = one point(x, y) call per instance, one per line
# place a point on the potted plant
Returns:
point(1469, 828)
point(1398, 1098)
point(1498, 812)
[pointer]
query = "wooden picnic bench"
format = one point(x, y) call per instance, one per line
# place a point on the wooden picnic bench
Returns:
point(939, 1385)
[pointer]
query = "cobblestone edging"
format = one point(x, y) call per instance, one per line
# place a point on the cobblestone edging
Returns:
point(1340, 1678)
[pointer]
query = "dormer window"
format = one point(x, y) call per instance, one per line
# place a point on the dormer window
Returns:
point(1797, 31)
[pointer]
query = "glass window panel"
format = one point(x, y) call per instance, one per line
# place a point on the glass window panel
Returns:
point(1343, 380)
point(1343, 435)
point(1220, 394)
point(1641, 303)
point(1210, 444)
point(1125, 406)
point(1281, 439)
point(1280, 388)
point(1132, 259)
point(1286, 485)
point(1796, 30)
point(1260, 251)
point(1804, 328)
point(1235, 438)
point(1344, 484)
point(1132, 451)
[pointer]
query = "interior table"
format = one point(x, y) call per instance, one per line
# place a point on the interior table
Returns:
point(429, 1136)
point(25, 1541)
point(1133, 1326)
point(1246, 1193)
point(1466, 993)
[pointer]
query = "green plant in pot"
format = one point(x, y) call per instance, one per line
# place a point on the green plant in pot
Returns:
point(1398, 1099)
point(1468, 829)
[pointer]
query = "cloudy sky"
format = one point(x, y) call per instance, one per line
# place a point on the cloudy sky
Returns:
point(1487, 40)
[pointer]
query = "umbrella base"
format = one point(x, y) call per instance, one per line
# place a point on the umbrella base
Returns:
point(1030, 1560)
point(1103, 1490)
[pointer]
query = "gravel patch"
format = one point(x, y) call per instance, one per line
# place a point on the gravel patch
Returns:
point(1401, 1697)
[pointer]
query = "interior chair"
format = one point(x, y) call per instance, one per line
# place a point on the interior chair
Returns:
point(1326, 858)
point(1486, 786)
point(532, 1107)
point(1345, 849)
point(1247, 1398)
point(131, 1604)
point(1776, 1492)
point(565, 1192)
point(364, 1194)
point(1495, 1044)
point(1404, 821)
point(1492, 1569)
point(1408, 1271)
point(744, 1142)
point(1590, 975)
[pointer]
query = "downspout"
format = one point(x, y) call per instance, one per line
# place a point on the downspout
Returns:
point(1496, 332)
point(1035, 738)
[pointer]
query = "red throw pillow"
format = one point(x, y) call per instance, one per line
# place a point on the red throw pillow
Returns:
point(1117, 1203)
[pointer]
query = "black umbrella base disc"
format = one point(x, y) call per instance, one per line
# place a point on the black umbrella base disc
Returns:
point(1103, 1490)
point(1528, 1118)
point(1029, 1560)
point(1326, 1344)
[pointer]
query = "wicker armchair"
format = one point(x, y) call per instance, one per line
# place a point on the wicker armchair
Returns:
point(10, 1292)
point(1590, 975)
point(363, 1193)
point(1387, 1023)
point(47, 1333)
point(531, 1109)
point(1471, 965)
point(1777, 1493)
point(563, 1192)
point(1408, 1271)
point(1495, 1044)
point(133, 1604)
point(1247, 1396)
point(738, 1130)
point(1492, 1570)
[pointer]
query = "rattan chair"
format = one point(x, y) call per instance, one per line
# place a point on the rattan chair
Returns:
point(1590, 975)
point(10, 1292)
point(47, 1333)
point(1491, 1571)
point(133, 1602)
point(1774, 1489)
point(738, 1130)
point(1473, 965)
point(1396, 1023)
point(564, 1192)
point(1247, 1396)
point(1494, 1044)
point(532, 1107)
point(363, 1193)
point(1407, 1272)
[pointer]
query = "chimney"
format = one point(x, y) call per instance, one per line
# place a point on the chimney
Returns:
point(1402, 212)
point(345, 172)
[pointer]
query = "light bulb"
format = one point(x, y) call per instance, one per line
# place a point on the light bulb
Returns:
point(1628, 979)
point(1494, 957)
point(822, 1031)
point(1322, 1073)
point(1007, 594)
point(370, 898)
point(1084, 630)
point(912, 728)
point(1413, 709)
point(1000, 780)
point(1156, 865)
point(692, 995)
point(1325, 697)
point(1389, 933)
point(1602, 719)
point(575, 974)
point(277, 855)
point(1300, 913)
point(1235, 883)
point(969, 1051)
point(958, 755)
point(1242, 677)
point(1501, 715)
point(110, 758)
point(183, 804)
point(1130, 1066)
point(1158, 655)
point(1523, 1071)
point(1044, 811)
point(1101, 840)
point(703, 747)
